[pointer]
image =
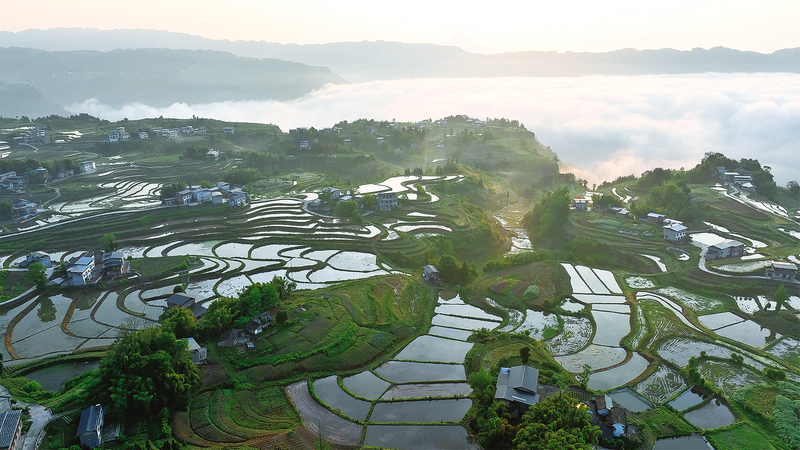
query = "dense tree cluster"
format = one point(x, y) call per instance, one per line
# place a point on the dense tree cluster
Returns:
point(545, 222)
point(144, 372)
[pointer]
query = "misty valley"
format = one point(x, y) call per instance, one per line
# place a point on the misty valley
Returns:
point(446, 283)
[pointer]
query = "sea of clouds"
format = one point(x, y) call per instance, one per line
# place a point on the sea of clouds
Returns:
point(604, 126)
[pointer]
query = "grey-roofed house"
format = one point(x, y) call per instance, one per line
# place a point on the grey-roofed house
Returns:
point(10, 429)
point(387, 200)
point(431, 274)
point(112, 262)
point(518, 386)
point(90, 428)
point(781, 270)
point(185, 301)
point(604, 404)
point(675, 232)
point(727, 249)
point(199, 354)
point(40, 257)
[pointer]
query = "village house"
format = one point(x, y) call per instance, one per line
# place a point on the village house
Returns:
point(675, 232)
point(781, 270)
point(727, 249)
point(387, 200)
point(517, 387)
point(16, 182)
point(224, 186)
point(185, 301)
point(335, 193)
point(87, 166)
point(21, 207)
point(142, 135)
point(618, 420)
point(10, 429)
point(233, 338)
point(431, 274)
point(80, 272)
point(199, 354)
point(217, 198)
point(313, 205)
point(655, 218)
point(40, 257)
point(113, 262)
point(7, 175)
point(237, 198)
point(187, 130)
point(183, 197)
point(213, 154)
point(580, 204)
point(201, 195)
point(604, 404)
point(259, 323)
point(65, 173)
point(303, 144)
point(90, 427)
point(227, 130)
point(118, 135)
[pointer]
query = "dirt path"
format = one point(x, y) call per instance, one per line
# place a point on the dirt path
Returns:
point(316, 416)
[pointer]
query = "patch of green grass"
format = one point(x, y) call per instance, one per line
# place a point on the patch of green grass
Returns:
point(741, 436)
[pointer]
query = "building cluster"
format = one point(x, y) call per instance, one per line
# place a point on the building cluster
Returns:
point(740, 177)
point(36, 134)
point(385, 200)
point(84, 269)
point(244, 338)
point(673, 230)
point(118, 134)
point(221, 194)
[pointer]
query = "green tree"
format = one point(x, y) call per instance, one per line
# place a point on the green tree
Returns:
point(281, 317)
point(448, 268)
point(108, 242)
point(145, 371)
point(546, 221)
point(345, 208)
point(780, 298)
point(369, 201)
point(179, 321)
point(483, 387)
point(257, 298)
point(37, 274)
point(557, 423)
point(525, 354)
point(169, 190)
point(284, 286)
point(585, 375)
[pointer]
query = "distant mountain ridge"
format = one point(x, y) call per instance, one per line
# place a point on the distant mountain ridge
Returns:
point(367, 61)
point(155, 77)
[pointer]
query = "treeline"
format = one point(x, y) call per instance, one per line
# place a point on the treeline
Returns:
point(23, 166)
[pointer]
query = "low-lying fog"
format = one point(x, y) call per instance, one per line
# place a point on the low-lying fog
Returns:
point(606, 126)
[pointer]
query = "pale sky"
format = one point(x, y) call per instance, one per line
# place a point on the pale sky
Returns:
point(485, 27)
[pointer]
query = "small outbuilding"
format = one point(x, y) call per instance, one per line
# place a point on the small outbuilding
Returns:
point(781, 270)
point(90, 428)
point(431, 274)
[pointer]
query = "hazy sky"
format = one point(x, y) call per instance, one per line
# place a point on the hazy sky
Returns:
point(488, 27)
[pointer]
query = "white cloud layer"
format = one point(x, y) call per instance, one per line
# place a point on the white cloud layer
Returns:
point(605, 126)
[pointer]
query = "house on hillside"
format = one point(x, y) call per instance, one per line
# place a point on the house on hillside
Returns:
point(10, 429)
point(21, 207)
point(604, 404)
point(580, 204)
point(113, 262)
point(199, 354)
point(185, 301)
point(431, 274)
point(618, 420)
point(40, 257)
point(387, 200)
point(727, 249)
point(517, 387)
point(655, 218)
point(87, 166)
point(183, 197)
point(335, 193)
point(80, 272)
point(217, 198)
point(675, 232)
point(237, 198)
point(233, 338)
point(227, 130)
point(90, 427)
point(781, 270)
point(259, 323)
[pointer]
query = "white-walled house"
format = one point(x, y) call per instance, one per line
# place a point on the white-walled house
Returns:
point(87, 166)
point(675, 232)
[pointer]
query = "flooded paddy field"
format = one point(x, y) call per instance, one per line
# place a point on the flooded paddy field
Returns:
point(618, 376)
point(728, 377)
point(687, 399)
point(329, 391)
point(53, 377)
point(451, 333)
point(407, 372)
point(366, 384)
point(596, 356)
point(693, 442)
point(713, 414)
point(423, 390)
point(419, 437)
point(574, 336)
point(611, 327)
point(428, 348)
point(421, 411)
point(630, 400)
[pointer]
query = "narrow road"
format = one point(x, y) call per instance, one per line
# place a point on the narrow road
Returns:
point(40, 416)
